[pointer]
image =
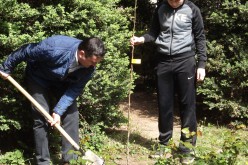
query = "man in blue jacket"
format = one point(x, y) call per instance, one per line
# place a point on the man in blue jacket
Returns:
point(58, 69)
point(178, 31)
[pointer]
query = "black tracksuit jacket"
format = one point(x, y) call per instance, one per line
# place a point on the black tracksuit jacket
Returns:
point(178, 32)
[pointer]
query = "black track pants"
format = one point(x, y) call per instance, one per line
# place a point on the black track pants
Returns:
point(176, 75)
point(70, 122)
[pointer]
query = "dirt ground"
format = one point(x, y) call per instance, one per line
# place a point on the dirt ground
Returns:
point(144, 121)
point(144, 114)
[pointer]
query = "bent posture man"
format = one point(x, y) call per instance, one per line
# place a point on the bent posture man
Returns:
point(57, 70)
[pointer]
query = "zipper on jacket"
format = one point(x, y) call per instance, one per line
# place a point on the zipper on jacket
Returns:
point(172, 33)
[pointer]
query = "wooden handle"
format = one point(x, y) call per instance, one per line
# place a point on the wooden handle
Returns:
point(43, 112)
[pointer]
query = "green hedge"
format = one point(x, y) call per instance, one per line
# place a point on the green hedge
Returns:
point(226, 86)
point(31, 21)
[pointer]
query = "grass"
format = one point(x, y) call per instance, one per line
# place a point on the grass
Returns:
point(222, 141)
point(115, 151)
point(216, 143)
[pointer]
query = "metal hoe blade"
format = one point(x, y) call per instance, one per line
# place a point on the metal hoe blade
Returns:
point(93, 158)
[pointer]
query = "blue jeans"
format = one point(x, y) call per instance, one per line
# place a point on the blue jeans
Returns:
point(47, 98)
point(176, 76)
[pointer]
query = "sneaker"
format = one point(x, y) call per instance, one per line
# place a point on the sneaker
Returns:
point(189, 159)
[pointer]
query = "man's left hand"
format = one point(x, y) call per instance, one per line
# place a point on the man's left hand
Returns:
point(200, 74)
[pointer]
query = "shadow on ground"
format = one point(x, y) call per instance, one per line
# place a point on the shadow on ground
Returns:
point(121, 136)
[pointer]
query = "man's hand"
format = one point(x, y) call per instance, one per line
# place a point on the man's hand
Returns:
point(200, 74)
point(3, 75)
point(56, 119)
point(137, 40)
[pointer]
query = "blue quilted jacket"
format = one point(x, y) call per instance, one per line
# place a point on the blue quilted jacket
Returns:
point(48, 64)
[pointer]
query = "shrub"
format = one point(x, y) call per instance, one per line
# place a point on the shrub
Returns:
point(30, 22)
point(15, 157)
point(226, 85)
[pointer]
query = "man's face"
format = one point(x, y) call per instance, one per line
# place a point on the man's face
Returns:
point(175, 3)
point(88, 61)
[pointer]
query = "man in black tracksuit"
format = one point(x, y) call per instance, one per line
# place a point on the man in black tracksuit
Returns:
point(178, 31)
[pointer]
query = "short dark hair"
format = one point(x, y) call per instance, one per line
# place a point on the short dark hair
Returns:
point(92, 46)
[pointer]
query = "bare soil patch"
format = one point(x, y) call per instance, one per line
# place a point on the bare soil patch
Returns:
point(143, 118)
point(144, 114)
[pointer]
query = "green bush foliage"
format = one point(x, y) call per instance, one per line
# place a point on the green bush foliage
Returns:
point(31, 21)
point(226, 85)
point(15, 157)
point(231, 151)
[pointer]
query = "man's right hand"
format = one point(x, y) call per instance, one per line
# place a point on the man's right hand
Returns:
point(3, 75)
point(56, 119)
point(137, 40)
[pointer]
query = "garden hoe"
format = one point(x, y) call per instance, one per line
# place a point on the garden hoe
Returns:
point(92, 158)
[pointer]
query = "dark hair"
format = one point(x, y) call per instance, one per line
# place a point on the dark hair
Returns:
point(92, 46)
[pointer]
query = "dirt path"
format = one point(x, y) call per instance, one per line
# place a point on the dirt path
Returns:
point(144, 115)
point(144, 121)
